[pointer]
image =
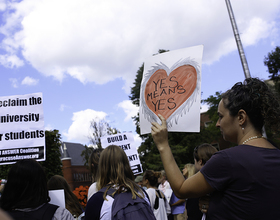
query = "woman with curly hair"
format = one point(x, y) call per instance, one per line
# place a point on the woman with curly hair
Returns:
point(243, 180)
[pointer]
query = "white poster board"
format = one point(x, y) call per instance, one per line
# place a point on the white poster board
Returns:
point(171, 87)
point(57, 197)
point(22, 133)
point(126, 142)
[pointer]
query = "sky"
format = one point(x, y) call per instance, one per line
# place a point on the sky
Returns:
point(84, 55)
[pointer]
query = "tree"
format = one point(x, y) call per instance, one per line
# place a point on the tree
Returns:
point(272, 61)
point(135, 90)
point(86, 154)
point(100, 128)
point(213, 103)
point(52, 165)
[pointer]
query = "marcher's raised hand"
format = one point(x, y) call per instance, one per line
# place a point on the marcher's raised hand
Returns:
point(160, 133)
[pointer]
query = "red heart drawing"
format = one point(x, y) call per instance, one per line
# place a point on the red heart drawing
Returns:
point(165, 94)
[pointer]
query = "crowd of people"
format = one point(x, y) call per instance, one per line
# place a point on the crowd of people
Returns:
point(25, 195)
point(241, 182)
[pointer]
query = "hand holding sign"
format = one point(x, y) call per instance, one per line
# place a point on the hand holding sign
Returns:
point(160, 134)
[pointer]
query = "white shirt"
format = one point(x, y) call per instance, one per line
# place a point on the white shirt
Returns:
point(163, 208)
point(164, 186)
point(91, 190)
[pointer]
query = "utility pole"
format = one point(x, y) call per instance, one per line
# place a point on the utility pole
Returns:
point(238, 41)
point(240, 47)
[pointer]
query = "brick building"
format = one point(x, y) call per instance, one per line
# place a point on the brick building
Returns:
point(73, 168)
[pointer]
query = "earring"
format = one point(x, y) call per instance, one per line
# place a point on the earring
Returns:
point(242, 129)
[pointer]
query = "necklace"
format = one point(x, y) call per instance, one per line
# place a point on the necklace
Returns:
point(251, 138)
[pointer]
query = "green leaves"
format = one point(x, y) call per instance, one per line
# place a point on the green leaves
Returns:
point(272, 61)
point(52, 164)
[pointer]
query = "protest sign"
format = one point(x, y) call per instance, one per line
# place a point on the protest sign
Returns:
point(171, 87)
point(126, 142)
point(22, 134)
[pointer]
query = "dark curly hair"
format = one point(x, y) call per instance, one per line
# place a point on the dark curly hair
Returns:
point(152, 177)
point(257, 99)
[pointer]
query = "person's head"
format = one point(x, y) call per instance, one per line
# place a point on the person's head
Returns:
point(188, 170)
point(93, 162)
point(162, 177)
point(139, 180)
point(246, 106)
point(202, 154)
point(114, 169)
point(72, 203)
point(58, 182)
point(150, 178)
point(26, 186)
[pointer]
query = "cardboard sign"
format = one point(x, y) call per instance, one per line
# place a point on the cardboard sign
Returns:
point(171, 87)
point(22, 133)
point(126, 142)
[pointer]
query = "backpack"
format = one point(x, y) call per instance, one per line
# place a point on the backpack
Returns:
point(126, 208)
point(45, 212)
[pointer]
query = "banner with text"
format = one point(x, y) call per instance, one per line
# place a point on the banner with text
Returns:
point(22, 133)
point(126, 142)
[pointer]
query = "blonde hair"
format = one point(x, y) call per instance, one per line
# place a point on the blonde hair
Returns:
point(191, 169)
point(114, 170)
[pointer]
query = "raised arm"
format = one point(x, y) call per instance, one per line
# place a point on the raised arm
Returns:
point(195, 186)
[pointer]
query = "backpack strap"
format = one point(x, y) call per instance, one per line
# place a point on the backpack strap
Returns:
point(158, 195)
point(146, 195)
point(94, 205)
point(156, 205)
point(49, 211)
